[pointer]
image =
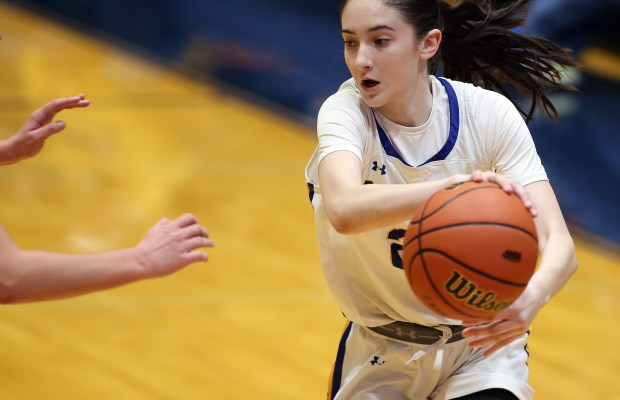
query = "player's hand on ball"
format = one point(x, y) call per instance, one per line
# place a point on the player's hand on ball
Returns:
point(507, 325)
point(508, 185)
point(171, 245)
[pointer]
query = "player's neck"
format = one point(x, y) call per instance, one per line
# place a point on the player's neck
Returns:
point(412, 106)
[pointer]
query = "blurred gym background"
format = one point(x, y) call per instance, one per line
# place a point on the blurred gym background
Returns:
point(220, 100)
point(289, 53)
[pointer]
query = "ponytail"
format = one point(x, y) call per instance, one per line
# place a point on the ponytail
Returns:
point(480, 47)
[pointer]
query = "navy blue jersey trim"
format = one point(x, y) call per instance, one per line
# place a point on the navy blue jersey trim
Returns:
point(310, 191)
point(452, 135)
point(337, 375)
point(454, 124)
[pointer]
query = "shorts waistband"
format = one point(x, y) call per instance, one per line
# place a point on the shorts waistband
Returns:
point(416, 333)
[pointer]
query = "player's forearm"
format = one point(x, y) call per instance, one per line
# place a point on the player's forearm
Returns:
point(6, 152)
point(557, 249)
point(362, 208)
point(557, 264)
point(36, 275)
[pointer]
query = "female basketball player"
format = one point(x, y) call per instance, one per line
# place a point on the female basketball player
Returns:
point(392, 136)
point(27, 275)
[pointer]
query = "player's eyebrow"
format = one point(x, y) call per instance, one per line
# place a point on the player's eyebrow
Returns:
point(374, 28)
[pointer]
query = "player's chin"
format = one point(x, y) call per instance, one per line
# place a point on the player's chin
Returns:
point(373, 101)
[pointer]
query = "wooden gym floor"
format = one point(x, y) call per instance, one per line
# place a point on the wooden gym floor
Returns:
point(257, 320)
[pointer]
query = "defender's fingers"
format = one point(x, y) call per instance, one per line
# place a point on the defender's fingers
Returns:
point(48, 111)
point(185, 220)
point(48, 130)
point(198, 242)
point(196, 256)
point(194, 230)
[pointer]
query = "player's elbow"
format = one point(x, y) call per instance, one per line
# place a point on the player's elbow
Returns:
point(342, 220)
point(573, 262)
point(343, 227)
point(570, 248)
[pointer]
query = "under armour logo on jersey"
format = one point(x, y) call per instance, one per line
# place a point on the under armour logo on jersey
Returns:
point(375, 167)
point(377, 361)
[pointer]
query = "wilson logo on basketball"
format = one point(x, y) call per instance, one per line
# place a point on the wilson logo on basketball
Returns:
point(462, 289)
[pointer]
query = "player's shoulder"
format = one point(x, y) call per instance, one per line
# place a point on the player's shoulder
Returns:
point(481, 101)
point(347, 101)
point(471, 91)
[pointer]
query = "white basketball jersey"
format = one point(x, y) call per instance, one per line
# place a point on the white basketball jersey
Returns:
point(469, 128)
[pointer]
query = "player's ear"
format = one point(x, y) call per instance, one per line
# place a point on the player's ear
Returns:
point(429, 45)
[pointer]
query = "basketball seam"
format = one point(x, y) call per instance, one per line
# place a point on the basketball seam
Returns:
point(422, 217)
point(419, 235)
point(518, 284)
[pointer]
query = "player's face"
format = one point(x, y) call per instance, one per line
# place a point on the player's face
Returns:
point(381, 51)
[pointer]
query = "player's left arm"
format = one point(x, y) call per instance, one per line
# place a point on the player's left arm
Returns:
point(558, 262)
point(33, 275)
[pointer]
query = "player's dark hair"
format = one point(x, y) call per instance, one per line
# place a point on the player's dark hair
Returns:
point(479, 46)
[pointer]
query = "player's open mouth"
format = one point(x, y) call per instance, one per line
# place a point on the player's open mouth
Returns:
point(369, 83)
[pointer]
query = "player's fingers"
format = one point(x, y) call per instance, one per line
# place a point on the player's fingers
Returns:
point(477, 176)
point(79, 101)
point(477, 322)
point(162, 222)
point(526, 200)
point(48, 111)
point(196, 256)
point(492, 335)
point(197, 242)
point(495, 337)
point(480, 329)
point(510, 186)
point(193, 230)
point(492, 349)
point(185, 220)
point(79, 104)
point(507, 185)
point(488, 176)
point(67, 102)
point(48, 130)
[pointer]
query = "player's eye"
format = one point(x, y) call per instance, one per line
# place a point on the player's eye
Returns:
point(382, 41)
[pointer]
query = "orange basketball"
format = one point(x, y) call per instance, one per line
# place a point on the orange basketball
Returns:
point(470, 250)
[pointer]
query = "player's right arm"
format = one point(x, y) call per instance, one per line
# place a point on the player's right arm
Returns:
point(353, 207)
point(28, 275)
